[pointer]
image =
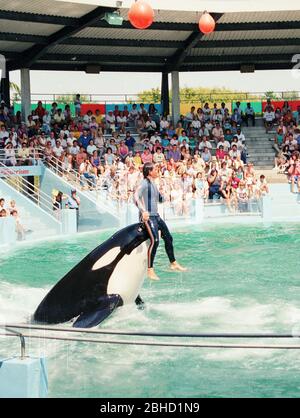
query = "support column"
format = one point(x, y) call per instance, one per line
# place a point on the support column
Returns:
point(165, 99)
point(5, 90)
point(25, 93)
point(175, 97)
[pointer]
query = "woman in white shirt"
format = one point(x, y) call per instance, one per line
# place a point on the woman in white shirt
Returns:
point(164, 124)
point(91, 148)
point(10, 155)
point(121, 122)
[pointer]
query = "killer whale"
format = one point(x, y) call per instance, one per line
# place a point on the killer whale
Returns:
point(110, 276)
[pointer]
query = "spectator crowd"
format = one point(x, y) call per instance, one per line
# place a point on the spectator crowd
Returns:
point(203, 156)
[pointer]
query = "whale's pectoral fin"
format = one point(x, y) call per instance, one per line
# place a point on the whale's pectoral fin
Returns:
point(140, 303)
point(93, 317)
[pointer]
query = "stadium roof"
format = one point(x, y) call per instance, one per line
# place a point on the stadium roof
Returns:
point(64, 35)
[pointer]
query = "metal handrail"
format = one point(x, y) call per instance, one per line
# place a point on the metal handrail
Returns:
point(127, 97)
point(56, 165)
point(44, 335)
point(39, 197)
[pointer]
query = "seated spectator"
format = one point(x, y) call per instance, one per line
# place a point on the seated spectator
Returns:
point(189, 117)
point(58, 151)
point(59, 117)
point(23, 153)
point(217, 132)
point(206, 155)
point(91, 148)
point(174, 153)
point(288, 118)
point(147, 156)
point(206, 112)
point(86, 172)
point(262, 187)
point(10, 155)
point(214, 182)
point(137, 160)
point(165, 142)
point(31, 126)
point(109, 157)
point(278, 115)
point(236, 118)
point(242, 197)
point(158, 156)
point(112, 145)
point(110, 122)
point(121, 122)
point(220, 153)
point(269, 106)
point(269, 119)
point(133, 114)
point(286, 108)
point(96, 163)
point(150, 125)
point(40, 111)
point(155, 137)
point(234, 152)
point(249, 114)
point(153, 113)
point(164, 124)
point(123, 151)
point(204, 143)
point(80, 157)
point(129, 141)
point(278, 141)
point(84, 139)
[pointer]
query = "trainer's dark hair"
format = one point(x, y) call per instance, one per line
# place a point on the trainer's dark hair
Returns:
point(147, 168)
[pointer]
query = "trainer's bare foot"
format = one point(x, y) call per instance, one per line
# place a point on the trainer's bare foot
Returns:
point(176, 266)
point(152, 275)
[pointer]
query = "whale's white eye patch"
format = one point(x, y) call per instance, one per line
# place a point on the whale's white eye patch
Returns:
point(107, 258)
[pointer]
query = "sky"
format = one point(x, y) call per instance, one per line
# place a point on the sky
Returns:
point(46, 82)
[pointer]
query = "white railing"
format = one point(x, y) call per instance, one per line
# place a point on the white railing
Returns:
point(31, 191)
point(15, 160)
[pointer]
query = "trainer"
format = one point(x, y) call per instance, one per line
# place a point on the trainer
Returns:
point(147, 198)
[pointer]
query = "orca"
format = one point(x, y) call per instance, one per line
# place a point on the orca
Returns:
point(110, 276)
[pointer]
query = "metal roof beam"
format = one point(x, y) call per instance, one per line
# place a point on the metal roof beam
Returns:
point(20, 37)
point(98, 59)
point(136, 43)
point(230, 43)
point(236, 67)
point(153, 69)
point(38, 18)
point(104, 67)
point(237, 43)
point(247, 58)
point(178, 58)
point(189, 27)
point(33, 54)
point(220, 27)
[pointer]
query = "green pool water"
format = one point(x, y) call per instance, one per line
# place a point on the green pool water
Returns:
point(240, 279)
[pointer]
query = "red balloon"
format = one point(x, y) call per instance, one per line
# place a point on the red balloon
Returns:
point(141, 14)
point(206, 23)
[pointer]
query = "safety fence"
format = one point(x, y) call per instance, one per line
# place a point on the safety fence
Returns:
point(23, 331)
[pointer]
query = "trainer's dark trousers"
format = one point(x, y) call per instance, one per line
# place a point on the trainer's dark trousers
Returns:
point(154, 225)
